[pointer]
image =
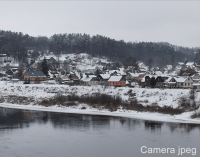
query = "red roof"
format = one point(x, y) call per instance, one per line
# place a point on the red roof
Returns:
point(141, 76)
point(7, 67)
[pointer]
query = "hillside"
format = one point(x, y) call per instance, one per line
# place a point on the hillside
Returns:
point(17, 44)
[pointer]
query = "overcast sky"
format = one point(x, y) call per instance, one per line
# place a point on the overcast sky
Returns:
point(176, 22)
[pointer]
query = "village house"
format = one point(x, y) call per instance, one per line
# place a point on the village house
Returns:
point(184, 82)
point(196, 85)
point(53, 63)
point(117, 81)
point(90, 81)
point(190, 64)
point(65, 77)
point(140, 77)
point(195, 78)
point(73, 76)
point(78, 59)
point(170, 82)
point(132, 76)
point(181, 65)
point(146, 81)
point(34, 77)
point(103, 79)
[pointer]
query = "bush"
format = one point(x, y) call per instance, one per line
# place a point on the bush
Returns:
point(100, 99)
point(195, 115)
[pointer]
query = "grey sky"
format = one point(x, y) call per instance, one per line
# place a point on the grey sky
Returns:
point(176, 22)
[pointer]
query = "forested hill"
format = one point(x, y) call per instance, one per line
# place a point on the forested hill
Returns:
point(18, 44)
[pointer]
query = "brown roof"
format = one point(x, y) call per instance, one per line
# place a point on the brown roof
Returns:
point(141, 75)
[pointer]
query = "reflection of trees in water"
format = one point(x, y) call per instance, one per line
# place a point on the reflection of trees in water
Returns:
point(129, 123)
point(182, 127)
point(15, 118)
point(12, 119)
point(153, 126)
point(60, 120)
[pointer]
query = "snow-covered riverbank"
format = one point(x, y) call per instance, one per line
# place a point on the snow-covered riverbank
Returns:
point(182, 118)
point(168, 97)
point(161, 97)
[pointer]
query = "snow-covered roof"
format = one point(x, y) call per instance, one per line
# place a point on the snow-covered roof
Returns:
point(196, 79)
point(105, 76)
point(141, 64)
point(112, 71)
point(115, 78)
point(15, 80)
point(134, 74)
point(169, 67)
point(196, 84)
point(181, 63)
point(180, 79)
point(87, 79)
point(190, 63)
point(158, 72)
point(169, 79)
point(91, 76)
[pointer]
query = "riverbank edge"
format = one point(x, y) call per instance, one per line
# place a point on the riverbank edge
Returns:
point(182, 118)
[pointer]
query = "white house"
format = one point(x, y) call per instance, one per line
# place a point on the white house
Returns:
point(184, 82)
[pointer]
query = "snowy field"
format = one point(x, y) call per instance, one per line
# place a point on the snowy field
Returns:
point(168, 97)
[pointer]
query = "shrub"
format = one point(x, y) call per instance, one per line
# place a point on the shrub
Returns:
point(195, 115)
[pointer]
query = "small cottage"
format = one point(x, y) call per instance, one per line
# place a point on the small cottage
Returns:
point(34, 77)
point(117, 81)
point(184, 82)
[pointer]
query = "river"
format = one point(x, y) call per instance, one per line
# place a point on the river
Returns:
point(25, 133)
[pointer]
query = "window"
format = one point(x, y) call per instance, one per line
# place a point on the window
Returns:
point(185, 84)
point(188, 84)
point(181, 84)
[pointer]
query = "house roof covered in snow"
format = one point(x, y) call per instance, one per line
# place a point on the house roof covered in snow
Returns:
point(190, 63)
point(181, 63)
point(181, 79)
point(115, 78)
point(134, 74)
point(105, 76)
point(87, 79)
point(169, 79)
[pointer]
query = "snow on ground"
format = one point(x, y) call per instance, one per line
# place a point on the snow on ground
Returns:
point(145, 96)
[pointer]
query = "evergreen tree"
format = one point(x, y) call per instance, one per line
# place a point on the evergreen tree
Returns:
point(153, 82)
point(97, 72)
point(197, 57)
point(45, 67)
point(150, 61)
point(131, 62)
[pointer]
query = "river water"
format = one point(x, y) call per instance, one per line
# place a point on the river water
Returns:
point(26, 133)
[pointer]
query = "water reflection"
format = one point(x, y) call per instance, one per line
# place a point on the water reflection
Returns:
point(15, 119)
point(182, 127)
point(56, 134)
point(153, 126)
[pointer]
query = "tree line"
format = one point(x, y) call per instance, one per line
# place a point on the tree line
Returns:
point(17, 44)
